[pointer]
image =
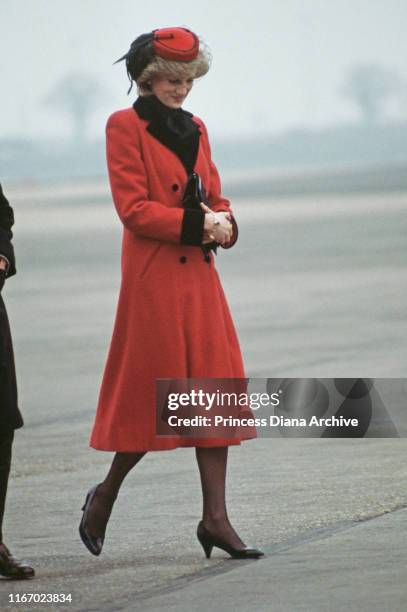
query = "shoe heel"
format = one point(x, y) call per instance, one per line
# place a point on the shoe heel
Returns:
point(86, 501)
point(207, 546)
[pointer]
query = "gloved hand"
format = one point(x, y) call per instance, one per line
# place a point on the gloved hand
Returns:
point(2, 279)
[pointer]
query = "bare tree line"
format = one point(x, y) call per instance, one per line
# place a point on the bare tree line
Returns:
point(368, 86)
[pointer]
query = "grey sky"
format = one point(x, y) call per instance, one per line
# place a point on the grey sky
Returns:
point(275, 64)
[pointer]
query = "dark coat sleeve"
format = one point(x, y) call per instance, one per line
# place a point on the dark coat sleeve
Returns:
point(6, 223)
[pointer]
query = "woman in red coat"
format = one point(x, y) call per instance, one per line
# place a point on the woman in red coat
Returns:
point(172, 320)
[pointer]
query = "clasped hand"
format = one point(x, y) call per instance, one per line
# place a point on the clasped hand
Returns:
point(220, 232)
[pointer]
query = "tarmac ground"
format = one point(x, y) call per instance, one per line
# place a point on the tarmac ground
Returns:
point(317, 288)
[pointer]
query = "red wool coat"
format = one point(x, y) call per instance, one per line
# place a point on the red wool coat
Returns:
point(172, 318)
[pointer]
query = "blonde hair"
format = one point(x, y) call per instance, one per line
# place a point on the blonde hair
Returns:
point(174, 69)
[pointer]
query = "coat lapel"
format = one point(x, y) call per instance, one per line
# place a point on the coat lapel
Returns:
point(187, 152)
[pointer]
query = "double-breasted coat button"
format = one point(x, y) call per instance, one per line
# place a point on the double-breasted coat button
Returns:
point(175, 187)
point(183, 259)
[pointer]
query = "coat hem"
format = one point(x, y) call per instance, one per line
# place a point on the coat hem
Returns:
point(197, 443)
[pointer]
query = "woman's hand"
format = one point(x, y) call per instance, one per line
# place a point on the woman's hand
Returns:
point(217, 226)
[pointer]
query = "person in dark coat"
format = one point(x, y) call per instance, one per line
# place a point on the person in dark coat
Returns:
point(10, 417)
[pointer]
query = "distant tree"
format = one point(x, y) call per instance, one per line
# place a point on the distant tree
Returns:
point(369, 86)
point(78, 95)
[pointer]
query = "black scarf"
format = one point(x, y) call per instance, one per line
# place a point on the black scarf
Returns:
point(173, 127)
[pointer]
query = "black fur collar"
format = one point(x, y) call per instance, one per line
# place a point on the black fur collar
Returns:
point(174, 128)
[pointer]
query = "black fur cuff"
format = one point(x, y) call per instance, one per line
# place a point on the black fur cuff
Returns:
point(192, 227)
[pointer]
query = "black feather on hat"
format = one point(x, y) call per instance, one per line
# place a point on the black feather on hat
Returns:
point(176, 44)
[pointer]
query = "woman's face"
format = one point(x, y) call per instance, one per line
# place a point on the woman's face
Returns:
point(171, 91)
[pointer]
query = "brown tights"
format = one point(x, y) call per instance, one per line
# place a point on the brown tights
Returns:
point(212, 464)
point(107, 491)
